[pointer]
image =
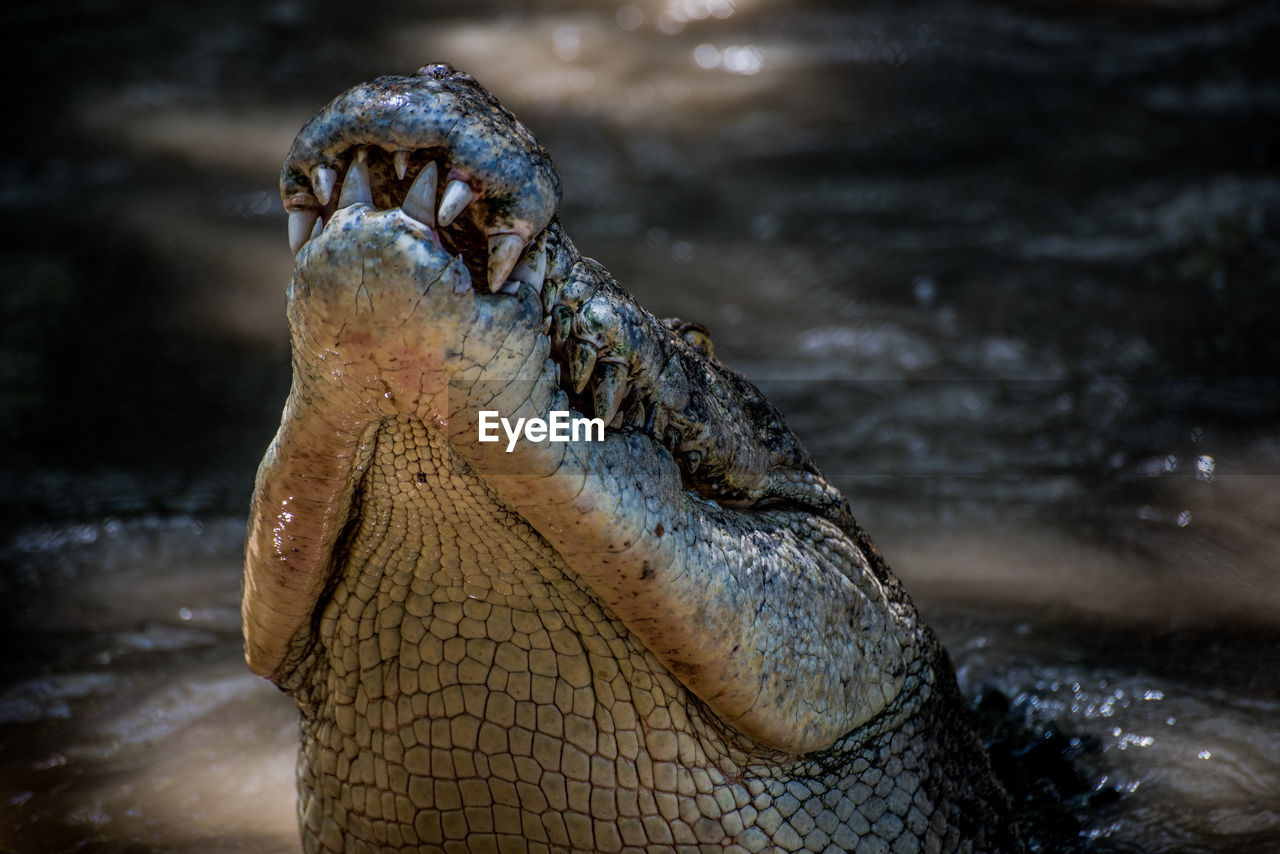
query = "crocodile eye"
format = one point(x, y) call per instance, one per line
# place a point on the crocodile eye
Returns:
point(692, 459)
point(699, 338)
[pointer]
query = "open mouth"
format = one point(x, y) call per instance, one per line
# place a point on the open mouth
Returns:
point(434, 283)
point(440, 148)
point(412, 181)
point(430, 147)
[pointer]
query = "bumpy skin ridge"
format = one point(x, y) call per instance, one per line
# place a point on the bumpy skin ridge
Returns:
point(677, 638)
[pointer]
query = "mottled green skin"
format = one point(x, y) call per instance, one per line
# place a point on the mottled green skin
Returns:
point(677, 639)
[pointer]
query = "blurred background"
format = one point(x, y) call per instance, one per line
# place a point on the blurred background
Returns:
point(1011, 269)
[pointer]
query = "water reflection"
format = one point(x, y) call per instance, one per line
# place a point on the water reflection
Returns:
point(133, 720)
point(1011, 272)
point(1189, 766)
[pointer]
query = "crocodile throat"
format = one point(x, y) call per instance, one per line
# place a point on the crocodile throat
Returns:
point(642, 638)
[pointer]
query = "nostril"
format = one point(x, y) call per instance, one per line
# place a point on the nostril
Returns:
point(436, 71)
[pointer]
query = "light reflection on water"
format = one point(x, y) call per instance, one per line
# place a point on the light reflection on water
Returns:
point(1192, 762)
point(146, 727)
point(133, 719)
point(1030, 336)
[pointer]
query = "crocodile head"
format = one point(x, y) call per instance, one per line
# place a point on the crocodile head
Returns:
point(514, 530)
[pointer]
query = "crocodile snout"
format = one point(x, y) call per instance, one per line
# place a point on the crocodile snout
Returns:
point(673, 632)
point(440, 147)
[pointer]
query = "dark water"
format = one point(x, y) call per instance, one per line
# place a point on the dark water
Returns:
point(1010, 269)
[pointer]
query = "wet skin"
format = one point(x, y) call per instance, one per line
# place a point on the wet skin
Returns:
point(674, 636)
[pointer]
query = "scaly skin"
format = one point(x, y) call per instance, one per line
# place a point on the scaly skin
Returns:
point(671, 638)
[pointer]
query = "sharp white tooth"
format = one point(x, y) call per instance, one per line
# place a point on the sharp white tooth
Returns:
point(319, 227)
point(504, 252)
point(456, 197)
point(355, 187)
point(562, 319)
point(533, 266)
point(611, 388)
point(322, 181)
point(582, 361)
point(400, 159)
point(420, 201)
point(300, 224)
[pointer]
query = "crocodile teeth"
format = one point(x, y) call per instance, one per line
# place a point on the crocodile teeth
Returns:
point(504, 252)
point(636, 416)
point(322, 181)
point(300, 224)
point(532, 268)
point(420, 201)
point(400, 159)
point(563, 325)
point(582, 360)
point(611, 386)
point(456, 197)
point(355, 187)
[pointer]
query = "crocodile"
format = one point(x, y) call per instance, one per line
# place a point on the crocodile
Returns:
point(662, 632)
